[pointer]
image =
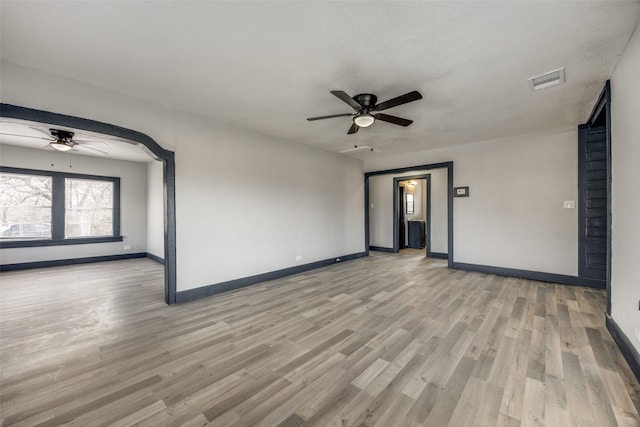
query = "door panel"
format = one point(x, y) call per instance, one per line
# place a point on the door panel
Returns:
point(592, 159)
point(402, 242)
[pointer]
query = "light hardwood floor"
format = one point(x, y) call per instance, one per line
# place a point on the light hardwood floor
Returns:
point(389, 340)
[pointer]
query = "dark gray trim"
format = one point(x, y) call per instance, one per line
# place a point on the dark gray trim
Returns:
point(428, 220)
point(70, 261)
point(450, 216)
point(532, 275)
point(63, 242)
point(607, 92)
point(170, 276)
point(58, 210)
point(600, 105)
point(366, 216)
point(380, 249)
point(155, 258)
point(409, 169)
point(205, 291)
point(428, 216)
point(440, 255)
point(141, 140)
point(396, 214)
point(449, 167)
point(627, 349)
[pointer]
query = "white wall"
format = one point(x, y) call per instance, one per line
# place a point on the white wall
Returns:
point(248, 204)
point(514, 217)
point(381, 211)
point(133, 202)
point(155, 209)
point(625, 198)
point(381, 215)
point(245, 203)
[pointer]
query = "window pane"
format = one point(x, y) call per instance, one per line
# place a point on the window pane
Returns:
point(88, 208)
point(25, 206)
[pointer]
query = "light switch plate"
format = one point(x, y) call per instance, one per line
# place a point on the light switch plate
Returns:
point(569, 204)
point(461, 192)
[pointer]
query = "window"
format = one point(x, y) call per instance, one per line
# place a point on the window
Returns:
point(88, 208)
point(41, 208)
point(410, 207)
point(25, 206)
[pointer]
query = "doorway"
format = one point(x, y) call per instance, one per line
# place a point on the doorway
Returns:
point(412, 203)
point(377, 222)
point(413, 214)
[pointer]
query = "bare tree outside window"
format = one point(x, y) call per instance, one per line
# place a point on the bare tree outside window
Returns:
point(25, 206)
point(88, 208)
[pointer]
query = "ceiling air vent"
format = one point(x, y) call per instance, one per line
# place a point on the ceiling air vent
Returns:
point(359, 150)
point(546, 80)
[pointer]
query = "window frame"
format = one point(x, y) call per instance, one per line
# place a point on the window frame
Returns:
point(411, 211)
point(58, 210)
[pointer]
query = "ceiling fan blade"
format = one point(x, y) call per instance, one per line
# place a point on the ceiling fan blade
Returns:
point(91, 142)
point(329, 117)
point(346, 98)
point(42, 131)
point(86, 147)
point(402, 99)
point(353, 129)
point(393, 119)
point(25, 136)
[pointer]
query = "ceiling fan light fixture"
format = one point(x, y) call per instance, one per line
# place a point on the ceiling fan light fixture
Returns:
point(364, 120)
point(61, 146)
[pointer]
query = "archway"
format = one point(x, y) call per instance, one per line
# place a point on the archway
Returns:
point(143, 141)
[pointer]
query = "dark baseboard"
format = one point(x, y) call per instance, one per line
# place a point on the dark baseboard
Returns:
point(440, 255)
point(205, 291)
point(380, 249)
point(532, 275)
point(155, 258)
point(71, 261)
point(626, 348)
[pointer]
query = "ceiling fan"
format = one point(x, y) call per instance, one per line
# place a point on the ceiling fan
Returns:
point(365, 108)
point(62, 140)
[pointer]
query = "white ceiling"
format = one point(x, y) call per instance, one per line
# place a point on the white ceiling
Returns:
point(268, 65)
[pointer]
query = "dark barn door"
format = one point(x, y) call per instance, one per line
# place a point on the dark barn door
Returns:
point(592, 180)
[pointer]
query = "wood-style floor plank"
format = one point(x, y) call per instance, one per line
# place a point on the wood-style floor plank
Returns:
point(388, 340)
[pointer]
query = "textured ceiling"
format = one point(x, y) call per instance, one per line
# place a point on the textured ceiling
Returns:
point(268, 65)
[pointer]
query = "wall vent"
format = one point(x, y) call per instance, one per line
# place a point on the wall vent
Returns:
point(552, 78)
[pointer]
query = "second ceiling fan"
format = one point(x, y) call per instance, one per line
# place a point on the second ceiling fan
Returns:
point(366, 109)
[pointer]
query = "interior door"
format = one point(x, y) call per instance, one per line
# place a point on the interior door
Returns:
point(592, 217)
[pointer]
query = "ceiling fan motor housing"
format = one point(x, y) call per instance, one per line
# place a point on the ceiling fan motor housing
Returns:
point(62, 135)
point(367, 100)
